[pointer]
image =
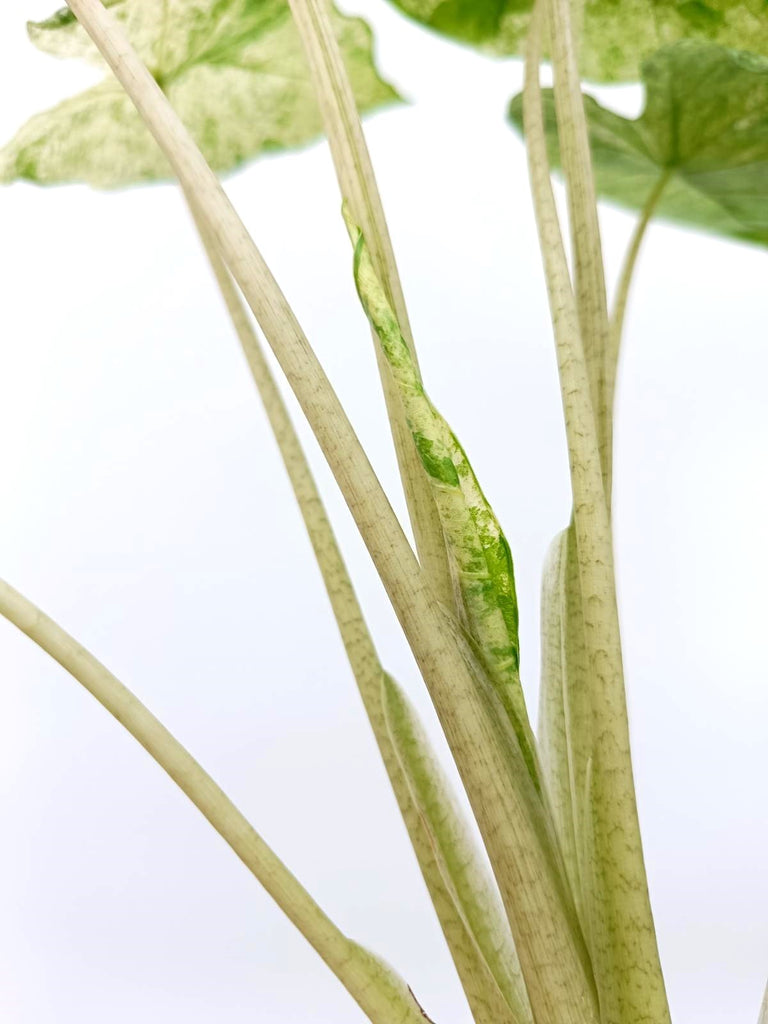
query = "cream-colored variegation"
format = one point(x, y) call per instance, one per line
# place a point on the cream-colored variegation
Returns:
point(516, 828)
point(233, 70)
point(616, 907)
point(480, 556)
point(482, 991)
point(381, 994)
point(357, 183)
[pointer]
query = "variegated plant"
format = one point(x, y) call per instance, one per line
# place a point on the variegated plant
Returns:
point(551, 923)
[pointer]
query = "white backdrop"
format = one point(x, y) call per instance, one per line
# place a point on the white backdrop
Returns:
point(145, 508)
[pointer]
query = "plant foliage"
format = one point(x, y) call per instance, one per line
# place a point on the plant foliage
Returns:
point(615, 36)
point(703, 135)
point(234, 71)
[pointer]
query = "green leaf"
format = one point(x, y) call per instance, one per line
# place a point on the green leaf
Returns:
point(234, 70)
point(616, 34)
point(704, 127)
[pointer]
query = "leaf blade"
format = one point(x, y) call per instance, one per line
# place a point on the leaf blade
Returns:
point(217, 66)
point(704, 126)
point(615, 37)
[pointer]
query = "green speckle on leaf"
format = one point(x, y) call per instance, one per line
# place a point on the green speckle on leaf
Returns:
point(704, 127)
point(616, 34)
point(480, 556)
point(437, 464)
point(234, 70)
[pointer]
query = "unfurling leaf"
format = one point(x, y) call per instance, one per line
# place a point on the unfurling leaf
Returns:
point(704, 130)
point(234, 71)
point(616, 35)
point(480, 557)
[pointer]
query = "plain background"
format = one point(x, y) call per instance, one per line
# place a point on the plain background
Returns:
point(145, 508)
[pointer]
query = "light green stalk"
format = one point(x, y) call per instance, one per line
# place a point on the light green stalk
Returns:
point(555, 746)
point(589, 277)
point(378, 990)
point(472, 890)
point(481, 559)
point(622, 292)
point(764, 1009)
point(617, 912)
point(357, 183)
point(485, 998)
point(515, 827)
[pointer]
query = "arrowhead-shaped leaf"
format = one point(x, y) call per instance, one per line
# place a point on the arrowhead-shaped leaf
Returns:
point(704, 128)
point(234, 70)
point(616, 35)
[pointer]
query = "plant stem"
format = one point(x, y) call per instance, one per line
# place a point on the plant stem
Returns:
point(618, 920)
point(380, 993)
point(589, 277)
point(477, 977)
point(623, 287)
point(514, 824)
point(357, 183)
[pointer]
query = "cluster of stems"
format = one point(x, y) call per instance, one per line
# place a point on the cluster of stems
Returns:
point(554, 925)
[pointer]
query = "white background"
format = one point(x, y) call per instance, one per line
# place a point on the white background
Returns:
point(145, 508)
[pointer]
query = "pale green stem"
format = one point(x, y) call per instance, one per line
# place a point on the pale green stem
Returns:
point(510, 817)
point(620, 925)
point(454, 848)
point(764, 1008)
point(623, 287)
point(357, 183)
point(380, 993)
point(589, 276)
point(477, 977)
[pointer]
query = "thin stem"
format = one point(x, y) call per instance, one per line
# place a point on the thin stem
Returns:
point(515, 825)
point(624, 284)
point(589, 275)
point(375, 987)
point(357, 183)
point(619, 920)
point(477, 977)
point(764, 1008)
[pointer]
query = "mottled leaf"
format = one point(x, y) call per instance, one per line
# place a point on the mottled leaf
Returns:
point(616, 34)
point(480, 556)
point(234, 70)
point(704, 130)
